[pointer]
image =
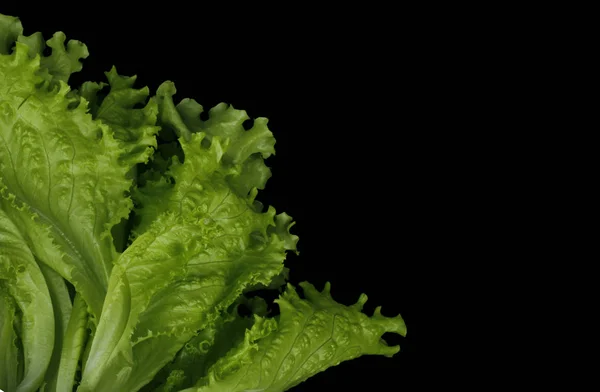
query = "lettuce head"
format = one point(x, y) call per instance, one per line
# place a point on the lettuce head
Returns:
point(131, 237)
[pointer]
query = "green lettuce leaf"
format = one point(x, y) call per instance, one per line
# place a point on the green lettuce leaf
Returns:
point(176, 278)
point(201, 352)
point(135, 127)
point(21, 277)
point(72, 348)
point(61, 304)
point(200, 242)
point(309, 336)
point(75, 188)
point(227, 170)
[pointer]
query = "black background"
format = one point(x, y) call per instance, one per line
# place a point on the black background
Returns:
point(344, 93)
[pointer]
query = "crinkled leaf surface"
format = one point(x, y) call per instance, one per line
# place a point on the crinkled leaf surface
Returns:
point(76, 183)
point(200, 243)
point(309, 336)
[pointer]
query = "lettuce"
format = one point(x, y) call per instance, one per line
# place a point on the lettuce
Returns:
point(130, 237)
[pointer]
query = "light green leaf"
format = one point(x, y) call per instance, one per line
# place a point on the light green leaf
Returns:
point(135, 127)
point(201, 352)
point(63, 61)
point(228, 166)
point(61, 304)
point(74, 340)
point(21, 276)
point(36, 45)
point(181, 273)
point(74, 190)
point(200, 243)
point(309, 336)
point(111, 335)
